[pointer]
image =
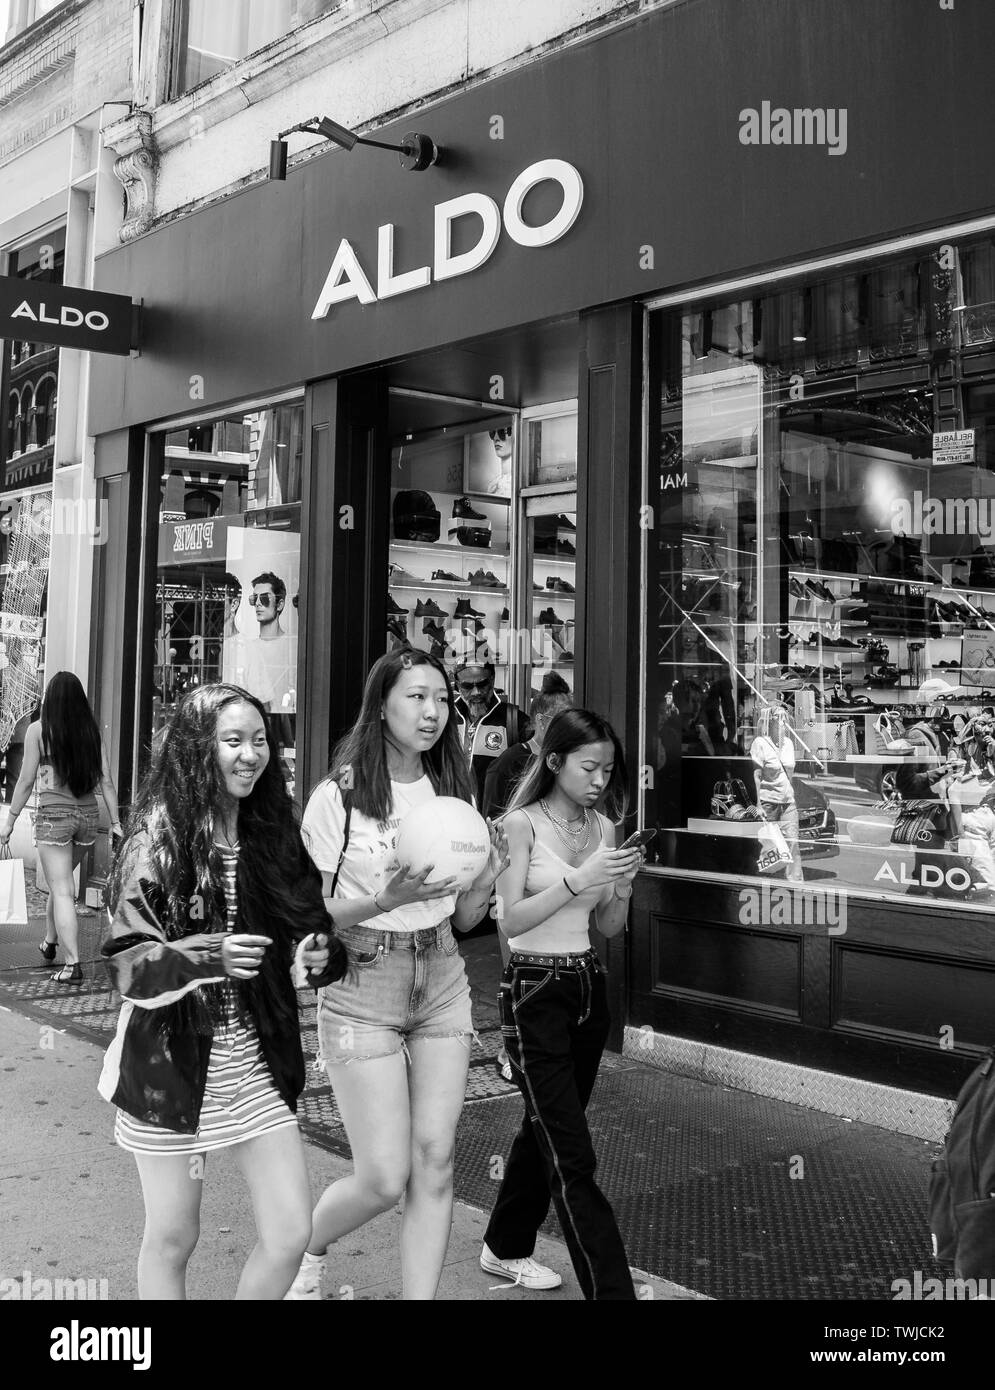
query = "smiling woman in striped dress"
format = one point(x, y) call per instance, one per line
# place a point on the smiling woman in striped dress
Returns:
point(211, 892)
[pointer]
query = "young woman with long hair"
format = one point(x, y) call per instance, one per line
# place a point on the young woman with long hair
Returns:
point(210, 893)
point(394, 1035)
point(64, 753)
point(554, 1012)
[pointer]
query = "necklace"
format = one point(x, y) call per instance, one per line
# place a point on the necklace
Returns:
point(561, 828)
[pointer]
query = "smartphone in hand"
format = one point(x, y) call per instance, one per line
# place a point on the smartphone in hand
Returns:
point(640, 838)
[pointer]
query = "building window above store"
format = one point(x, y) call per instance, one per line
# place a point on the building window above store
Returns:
point(18, 15)
point(211, 35)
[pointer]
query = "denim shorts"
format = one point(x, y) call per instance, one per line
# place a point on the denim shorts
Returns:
point(399, 986)
point(67, 825)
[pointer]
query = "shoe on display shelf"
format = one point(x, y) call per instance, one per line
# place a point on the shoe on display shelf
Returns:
point(429, 609)
point(445, 577)
point(399, 576)
point(463, 508)
point(434, 630)
point(559, 586)
point(395, 609)
point(484, 579)
point(464, 609)
point(397, 630)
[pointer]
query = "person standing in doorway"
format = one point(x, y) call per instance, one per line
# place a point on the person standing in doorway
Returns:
point(394, 1035)
point(64, 753)
point(554, 1011)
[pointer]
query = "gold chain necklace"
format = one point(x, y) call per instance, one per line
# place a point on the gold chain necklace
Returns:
point(566, 836)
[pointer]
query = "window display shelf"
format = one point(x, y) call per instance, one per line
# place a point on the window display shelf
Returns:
point(929, 585)
point(449, 588)
point(444, 548)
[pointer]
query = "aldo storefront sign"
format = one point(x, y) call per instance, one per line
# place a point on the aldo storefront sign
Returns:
point(346, 278)
point(64, 316)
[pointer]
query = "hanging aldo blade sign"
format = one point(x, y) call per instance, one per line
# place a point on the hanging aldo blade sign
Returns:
point(65, 316)
point(347, 279)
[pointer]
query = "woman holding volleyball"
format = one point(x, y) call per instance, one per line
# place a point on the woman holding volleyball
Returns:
point(554, 1013)
point(394, 1035)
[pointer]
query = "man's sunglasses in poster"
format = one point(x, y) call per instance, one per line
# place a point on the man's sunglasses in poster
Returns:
point(503, 433)
point(262, 599)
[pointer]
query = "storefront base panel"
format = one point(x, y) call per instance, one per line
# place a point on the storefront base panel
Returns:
point(878, 992)
point(907, 1112)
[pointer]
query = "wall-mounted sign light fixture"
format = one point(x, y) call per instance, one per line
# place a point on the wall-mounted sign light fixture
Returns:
point(417, 152)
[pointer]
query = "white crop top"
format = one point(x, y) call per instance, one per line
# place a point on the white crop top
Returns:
point(566, 929)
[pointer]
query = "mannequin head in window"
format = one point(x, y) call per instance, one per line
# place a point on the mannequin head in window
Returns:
point(267, 599)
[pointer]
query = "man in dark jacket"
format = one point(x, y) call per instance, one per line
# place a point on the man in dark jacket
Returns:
point(488, 724)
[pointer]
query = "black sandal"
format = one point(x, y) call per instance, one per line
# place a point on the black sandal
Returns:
point(48, 949)
point(69, 975)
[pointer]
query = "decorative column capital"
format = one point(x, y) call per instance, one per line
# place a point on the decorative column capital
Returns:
point(136, 167)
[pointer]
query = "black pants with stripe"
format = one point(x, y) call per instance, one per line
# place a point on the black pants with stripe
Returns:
point(555, 1023)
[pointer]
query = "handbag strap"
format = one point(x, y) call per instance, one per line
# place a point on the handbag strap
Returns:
point(5, 851)
point(347, 803)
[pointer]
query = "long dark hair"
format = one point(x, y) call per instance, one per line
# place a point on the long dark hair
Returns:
point(359, 763)
point(569, 730)
point(70, 738)
point(179, 806)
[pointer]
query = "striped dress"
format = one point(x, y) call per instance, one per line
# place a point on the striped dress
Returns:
point(240, 1100)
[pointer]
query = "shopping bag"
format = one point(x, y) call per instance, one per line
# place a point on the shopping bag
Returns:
point(919, 822)
point(774, 852)
point(13, 903)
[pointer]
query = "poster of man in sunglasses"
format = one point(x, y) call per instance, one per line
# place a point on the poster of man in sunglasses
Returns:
point(265, 665)
point(489, 462)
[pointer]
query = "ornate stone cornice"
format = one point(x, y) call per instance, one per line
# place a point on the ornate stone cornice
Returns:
point(137, 164)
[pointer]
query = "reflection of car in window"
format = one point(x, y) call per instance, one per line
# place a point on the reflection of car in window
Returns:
point(817, 825)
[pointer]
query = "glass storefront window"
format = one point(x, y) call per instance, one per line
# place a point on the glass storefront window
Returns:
point(228, 573)
point(213, 34)
point(821, 581)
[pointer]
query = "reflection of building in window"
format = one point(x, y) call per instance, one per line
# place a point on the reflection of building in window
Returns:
point(213, 34)
point(29, 375)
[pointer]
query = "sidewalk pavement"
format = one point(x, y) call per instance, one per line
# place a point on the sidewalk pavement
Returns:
point(72, 1205)
point(730, 1194)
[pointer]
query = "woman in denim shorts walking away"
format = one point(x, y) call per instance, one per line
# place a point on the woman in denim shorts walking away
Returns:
point(64, 750)
point(554, 1012)
point(395, 1034)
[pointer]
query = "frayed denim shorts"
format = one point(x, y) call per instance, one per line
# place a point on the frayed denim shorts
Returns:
point(399, 987)
point(67, 825)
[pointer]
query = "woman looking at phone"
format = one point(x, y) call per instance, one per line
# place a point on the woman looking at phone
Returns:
point(554, 1012)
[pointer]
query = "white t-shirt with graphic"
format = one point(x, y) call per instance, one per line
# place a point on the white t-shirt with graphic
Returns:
point(371, 856)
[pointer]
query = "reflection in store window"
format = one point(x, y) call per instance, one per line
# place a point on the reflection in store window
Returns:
point(228, 572)
point(213, 34)
point(821, 569)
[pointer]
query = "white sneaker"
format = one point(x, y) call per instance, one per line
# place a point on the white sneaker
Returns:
point(528, 1272)
point(307, 1281)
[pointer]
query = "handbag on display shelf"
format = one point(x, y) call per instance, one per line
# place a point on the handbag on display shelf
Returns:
point(844, 740)
point(774, 852)
point(730, 800)
point(919, 822)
